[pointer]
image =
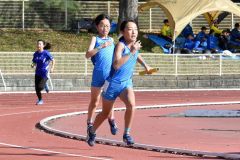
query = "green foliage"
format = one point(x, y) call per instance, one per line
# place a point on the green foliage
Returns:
point(61, 4)
point(17, 40)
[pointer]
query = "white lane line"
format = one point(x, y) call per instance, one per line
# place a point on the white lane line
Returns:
point(140, 107)
point(45, 121)
point(42, 150)
point(77, 155)
point(50, 151)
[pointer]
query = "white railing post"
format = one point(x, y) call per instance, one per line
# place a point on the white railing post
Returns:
point(220, 65)
point(50, 80)
point(109, 8)
point(232, 20)
point(23, 15)
point(176, 65)
point(150, 19)
point(66, 14)
point(4, 84)
point(85, 69)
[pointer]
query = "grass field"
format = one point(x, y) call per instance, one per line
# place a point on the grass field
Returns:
point(25, 41)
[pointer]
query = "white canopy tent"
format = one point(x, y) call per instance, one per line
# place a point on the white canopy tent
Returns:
point(181, 12)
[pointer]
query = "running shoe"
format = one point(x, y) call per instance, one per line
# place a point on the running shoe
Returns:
point(39, 102)
point(128, 139)
point(113, 126)
point(91, 136)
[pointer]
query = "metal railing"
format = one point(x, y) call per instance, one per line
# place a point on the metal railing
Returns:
point(33, 14)
point(4, 84)
point(168, 64)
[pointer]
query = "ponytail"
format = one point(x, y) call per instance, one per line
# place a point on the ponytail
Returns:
point(47, 46)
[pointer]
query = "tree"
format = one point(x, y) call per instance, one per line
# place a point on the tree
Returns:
point(128, 9)
point(58, 12)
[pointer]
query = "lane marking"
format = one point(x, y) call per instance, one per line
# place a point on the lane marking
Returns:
point(142, 107)
point(44, 122)
point(43, 150)
point(51, 151)
point(123, 108)
point(155, 148)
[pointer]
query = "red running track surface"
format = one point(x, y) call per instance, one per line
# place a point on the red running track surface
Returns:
point(19, 116)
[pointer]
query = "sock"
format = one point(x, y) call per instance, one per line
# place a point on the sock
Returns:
point(91, 130)
point(89, 122)
point(127, 130)
point(111, 120)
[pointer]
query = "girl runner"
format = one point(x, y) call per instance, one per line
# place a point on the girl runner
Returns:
point(119, 83)
point(100, 51)
point(41, 59)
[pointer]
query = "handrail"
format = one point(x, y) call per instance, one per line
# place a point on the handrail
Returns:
point(50, 81)
point(68, 63)
point(4, 84)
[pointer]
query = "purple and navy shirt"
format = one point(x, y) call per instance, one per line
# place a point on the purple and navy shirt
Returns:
point(42, 60)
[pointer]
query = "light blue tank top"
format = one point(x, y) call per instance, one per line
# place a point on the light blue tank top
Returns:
point(103, 59)
point(125, 72)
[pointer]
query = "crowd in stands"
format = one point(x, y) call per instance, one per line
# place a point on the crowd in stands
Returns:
point(213, 41)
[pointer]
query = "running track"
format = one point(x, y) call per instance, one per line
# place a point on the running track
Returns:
point(21, 140)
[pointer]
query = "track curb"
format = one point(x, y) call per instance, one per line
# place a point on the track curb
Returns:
point(43, 125)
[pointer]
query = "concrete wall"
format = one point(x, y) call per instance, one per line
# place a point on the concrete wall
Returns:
point(81, 83)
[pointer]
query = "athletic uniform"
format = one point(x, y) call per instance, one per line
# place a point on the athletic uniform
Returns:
point(42, 60)
point(116, 83)
point(102, 62)
point(120, 79)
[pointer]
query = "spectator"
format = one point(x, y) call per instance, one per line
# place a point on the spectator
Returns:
point(212, 42)
point(215, 28)
point(235, 35)
point(202, 37)
point(224, 40)
point(187, 30)
point(192, 45)
point(166, 32)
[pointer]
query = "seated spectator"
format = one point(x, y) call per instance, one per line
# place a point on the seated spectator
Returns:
point(224, 40)
point(166, 31)
point(215, 28)
point(212, 42)
point(192, 45)
point(202, 37)
point(235, 35)
point(187, 30)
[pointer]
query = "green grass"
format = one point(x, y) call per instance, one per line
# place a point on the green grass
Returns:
point(25, 41)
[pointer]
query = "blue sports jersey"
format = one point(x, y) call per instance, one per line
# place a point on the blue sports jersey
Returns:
point(42, 60)
point(102, 60)
point(212, 42)
point(125, 72)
